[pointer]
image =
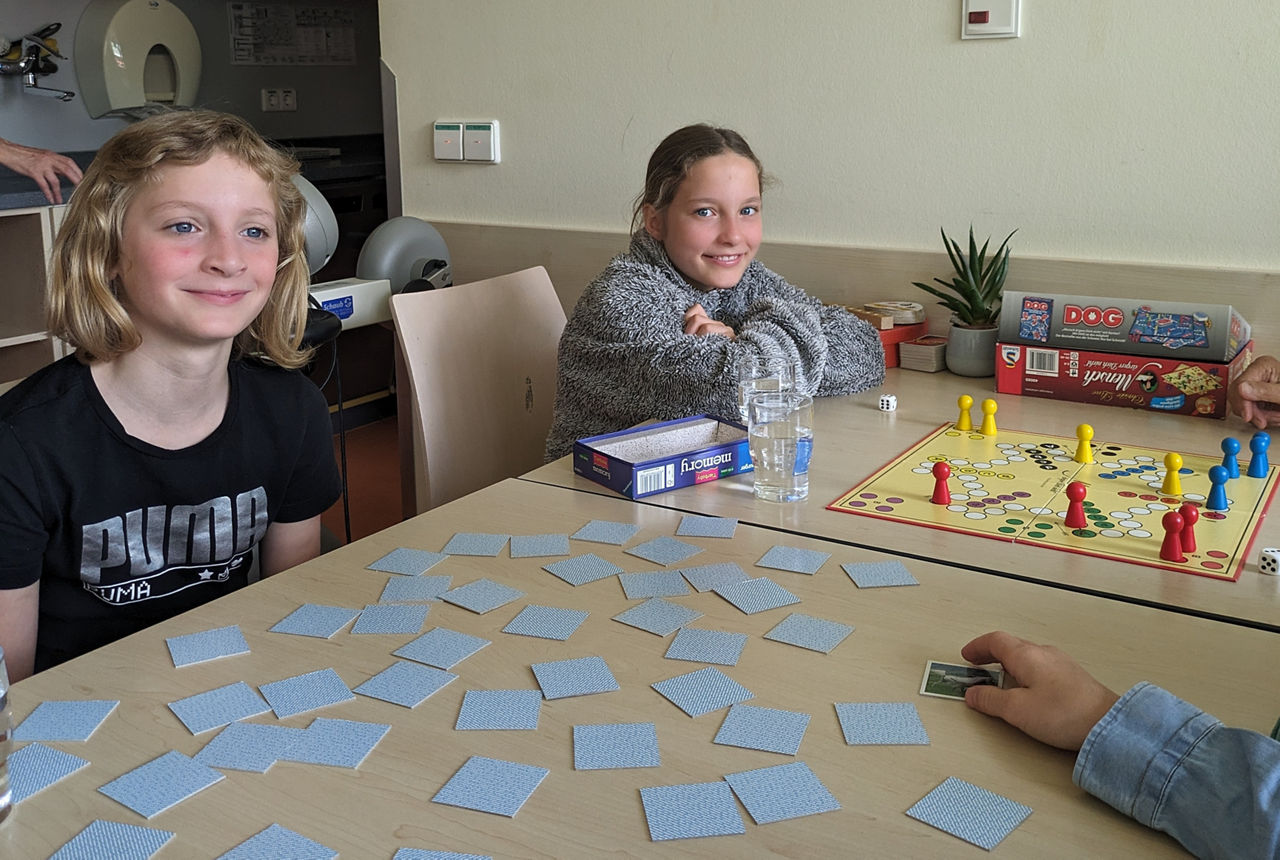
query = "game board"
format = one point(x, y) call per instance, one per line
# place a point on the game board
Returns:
point(1011, 487)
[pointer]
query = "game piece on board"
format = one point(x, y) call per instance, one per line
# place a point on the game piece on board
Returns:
point(1217, 500)
point(1171, 549)
point(1172, 485)
point(1190, 516)
point(964, 422)
point(941, 494)
point(1076, 492)
point(988, 418)
point(1084, 451)
point(1230, 448)
point(1258, 465)
point(1269, 561)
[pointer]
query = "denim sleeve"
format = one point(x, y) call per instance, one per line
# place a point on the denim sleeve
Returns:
point(1179, 770)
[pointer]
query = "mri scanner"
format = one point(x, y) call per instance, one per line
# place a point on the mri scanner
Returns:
point(135, 57)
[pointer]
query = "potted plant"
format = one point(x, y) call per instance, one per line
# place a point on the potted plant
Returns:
point(974, 301)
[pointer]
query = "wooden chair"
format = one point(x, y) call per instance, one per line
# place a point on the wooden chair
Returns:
point(476, 365)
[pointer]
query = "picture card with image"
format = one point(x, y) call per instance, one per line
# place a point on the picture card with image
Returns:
point(950, 680)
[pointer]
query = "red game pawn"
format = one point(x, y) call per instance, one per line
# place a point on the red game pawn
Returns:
point(1075, 505)
point(1190, 515)
point(941, 495)
point(1171, 549)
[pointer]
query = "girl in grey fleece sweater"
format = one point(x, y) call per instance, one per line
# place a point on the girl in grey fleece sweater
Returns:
point(658, 334)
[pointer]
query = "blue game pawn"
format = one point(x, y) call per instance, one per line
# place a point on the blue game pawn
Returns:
point(1258, 465)
point(1231, 447)
point(1217, 500)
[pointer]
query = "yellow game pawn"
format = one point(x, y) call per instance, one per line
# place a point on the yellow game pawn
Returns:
point(1084, 451)
point(1172, 485)
point(964, 422)
point(988, 418)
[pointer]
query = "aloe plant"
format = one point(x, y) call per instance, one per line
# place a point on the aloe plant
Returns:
point(978, 284)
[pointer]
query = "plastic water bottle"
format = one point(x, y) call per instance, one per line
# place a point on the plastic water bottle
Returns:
point(6, 729)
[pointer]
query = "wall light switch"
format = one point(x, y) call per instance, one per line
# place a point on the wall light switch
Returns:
point(480, 141)
point(990, 19)
point(448, 140)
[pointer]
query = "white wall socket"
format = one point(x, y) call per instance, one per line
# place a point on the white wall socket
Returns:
point(279, 99)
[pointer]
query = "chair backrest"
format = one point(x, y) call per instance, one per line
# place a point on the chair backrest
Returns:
point(481, 365)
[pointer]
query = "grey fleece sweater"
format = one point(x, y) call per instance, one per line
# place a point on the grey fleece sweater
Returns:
point(624, 357)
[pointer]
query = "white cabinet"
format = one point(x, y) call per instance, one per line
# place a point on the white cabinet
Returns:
point(26, 238)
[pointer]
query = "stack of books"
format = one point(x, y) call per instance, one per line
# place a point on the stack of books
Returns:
point(928, 353)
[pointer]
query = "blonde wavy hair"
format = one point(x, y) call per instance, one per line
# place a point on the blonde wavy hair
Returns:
point(83, 308)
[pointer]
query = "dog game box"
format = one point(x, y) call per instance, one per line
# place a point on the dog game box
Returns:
point(1163, 384)
point(665, 456)
point(1182, 330)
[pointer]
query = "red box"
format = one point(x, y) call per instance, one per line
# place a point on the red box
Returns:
point(1181, 386)
point(891, 337)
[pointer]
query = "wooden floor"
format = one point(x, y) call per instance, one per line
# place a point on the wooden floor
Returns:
point(373, 480)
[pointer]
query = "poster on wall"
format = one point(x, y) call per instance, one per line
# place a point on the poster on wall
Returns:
point(289, 34)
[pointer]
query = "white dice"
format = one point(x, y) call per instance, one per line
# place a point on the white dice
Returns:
point(1269, 561)
point(888, 402)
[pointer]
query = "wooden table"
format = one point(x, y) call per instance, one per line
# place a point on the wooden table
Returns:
point(853, 438)
point(386, 803)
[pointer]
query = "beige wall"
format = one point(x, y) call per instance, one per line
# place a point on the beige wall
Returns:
point(1143, 130)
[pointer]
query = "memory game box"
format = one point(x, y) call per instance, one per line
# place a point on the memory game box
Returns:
point(665, 456)
point(1179, 330)
point(1161, 384)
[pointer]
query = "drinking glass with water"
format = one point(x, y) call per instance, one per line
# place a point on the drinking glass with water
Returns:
point(754, 375)
point(780, 431)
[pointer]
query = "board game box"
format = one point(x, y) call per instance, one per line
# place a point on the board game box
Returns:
point(1013, 487)
point(1207, 332)
point(1162, 384)
point(655, 458)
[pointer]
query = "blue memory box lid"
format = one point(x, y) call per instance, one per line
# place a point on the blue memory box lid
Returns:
point(665, 456)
